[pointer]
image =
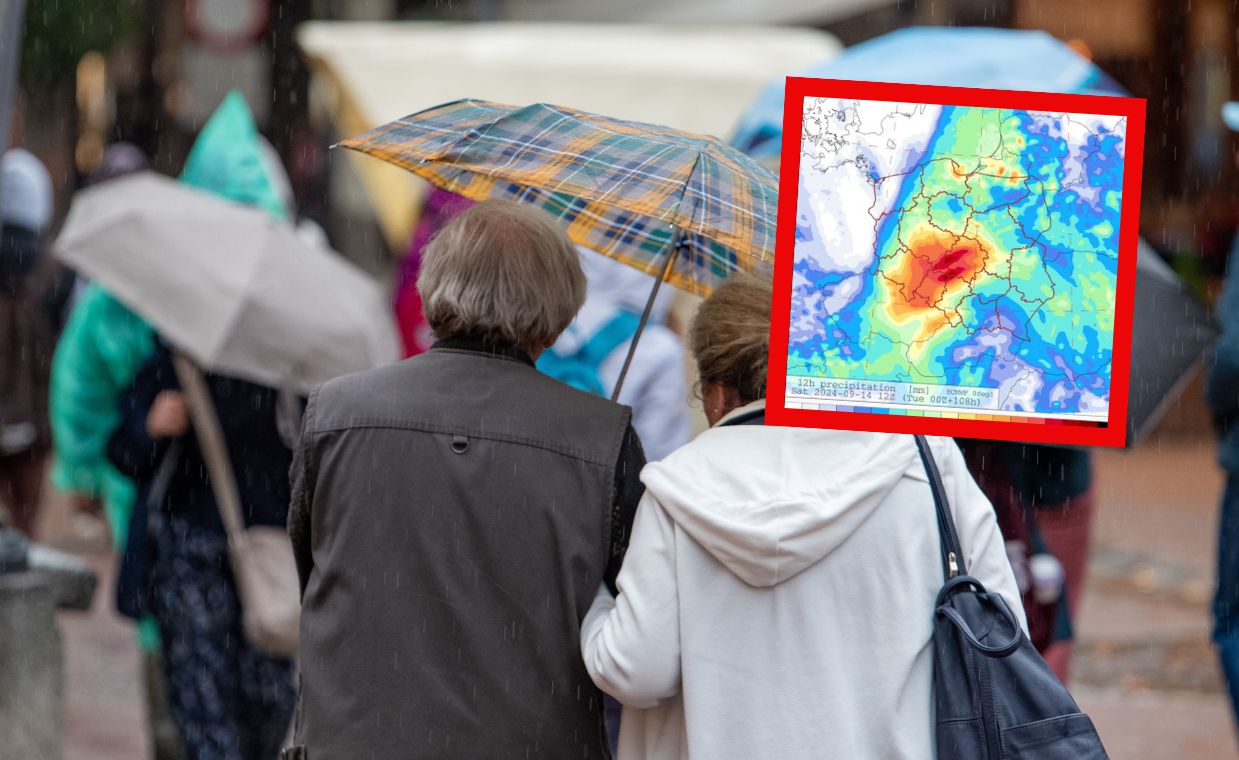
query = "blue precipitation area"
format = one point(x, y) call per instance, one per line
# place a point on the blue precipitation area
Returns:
point(1053, 321)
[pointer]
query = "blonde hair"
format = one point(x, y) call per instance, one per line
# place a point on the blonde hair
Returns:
point(730, 335)
point(503, 272)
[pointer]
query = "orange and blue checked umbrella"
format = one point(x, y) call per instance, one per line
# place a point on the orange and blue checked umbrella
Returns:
point(629, 190)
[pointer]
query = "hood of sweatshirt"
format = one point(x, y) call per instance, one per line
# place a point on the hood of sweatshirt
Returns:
point(768, 502)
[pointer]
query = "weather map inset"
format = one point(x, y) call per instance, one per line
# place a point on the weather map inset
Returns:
point(956, 262)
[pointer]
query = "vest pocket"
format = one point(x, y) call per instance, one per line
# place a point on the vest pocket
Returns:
point(961, 738)
point(1069, 737)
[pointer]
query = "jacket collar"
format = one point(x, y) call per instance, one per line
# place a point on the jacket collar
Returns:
point(481, 345)
point(750, 409)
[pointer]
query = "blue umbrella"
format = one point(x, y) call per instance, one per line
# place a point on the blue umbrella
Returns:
point(1005, 59)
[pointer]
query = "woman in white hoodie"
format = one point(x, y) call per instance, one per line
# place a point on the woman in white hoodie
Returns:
point(778, 593)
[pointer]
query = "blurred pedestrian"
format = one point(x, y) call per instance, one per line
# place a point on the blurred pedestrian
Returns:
point(1057, 484)
point(454, 514)
point(29, 316)
point(99, 352)
point(1223, 397)
point(777, 597)
point(1017, 478)
point(441, 207)
point(103, 387)
point(590, 354)
point(229, 701)
point(102, 346)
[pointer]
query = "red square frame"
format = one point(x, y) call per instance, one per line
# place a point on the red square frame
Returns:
point(1048, 431)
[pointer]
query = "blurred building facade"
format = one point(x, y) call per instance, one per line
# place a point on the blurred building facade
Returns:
point(1180, 56)
point(166, 64)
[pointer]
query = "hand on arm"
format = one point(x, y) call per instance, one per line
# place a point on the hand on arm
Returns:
point(132, 448)
point(302, 478)
point(628, 492)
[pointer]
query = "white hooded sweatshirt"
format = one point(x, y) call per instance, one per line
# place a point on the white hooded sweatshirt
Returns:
point(777, 597)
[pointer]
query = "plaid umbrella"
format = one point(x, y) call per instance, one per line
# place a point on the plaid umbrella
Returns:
point(628, 190)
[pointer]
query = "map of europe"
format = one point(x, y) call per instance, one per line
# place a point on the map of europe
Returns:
point(955, 257)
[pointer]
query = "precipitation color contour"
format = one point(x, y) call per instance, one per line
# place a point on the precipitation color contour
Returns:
point(955, 261)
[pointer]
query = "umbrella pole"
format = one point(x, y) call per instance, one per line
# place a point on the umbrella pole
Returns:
point(672, 250)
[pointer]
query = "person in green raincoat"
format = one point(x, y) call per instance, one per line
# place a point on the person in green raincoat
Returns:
point(101, 349)
point(102, 345)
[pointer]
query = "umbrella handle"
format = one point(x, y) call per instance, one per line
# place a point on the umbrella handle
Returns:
point(672, 251)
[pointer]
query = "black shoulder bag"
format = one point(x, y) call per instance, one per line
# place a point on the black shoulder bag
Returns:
point(996, 698)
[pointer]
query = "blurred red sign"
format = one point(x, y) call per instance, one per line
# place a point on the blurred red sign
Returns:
point(226, 26)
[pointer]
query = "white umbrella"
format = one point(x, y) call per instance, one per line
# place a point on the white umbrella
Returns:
point(234, 288)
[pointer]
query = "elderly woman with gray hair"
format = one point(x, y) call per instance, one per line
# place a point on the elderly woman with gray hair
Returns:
point(453, 515)
point(777, 597)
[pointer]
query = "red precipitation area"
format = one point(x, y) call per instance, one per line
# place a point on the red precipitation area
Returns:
point(932, 266)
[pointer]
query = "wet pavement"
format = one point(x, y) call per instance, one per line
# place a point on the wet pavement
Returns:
point(104, 699)
point(105, 710)
point(1144, 668)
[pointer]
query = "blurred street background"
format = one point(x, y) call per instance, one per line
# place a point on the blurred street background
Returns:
point(150, 72)
point(94, 72)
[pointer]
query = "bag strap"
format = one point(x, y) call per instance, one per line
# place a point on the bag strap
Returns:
point(214, 447)
point(996, 602)
point(952, 554)
point(618, 330)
